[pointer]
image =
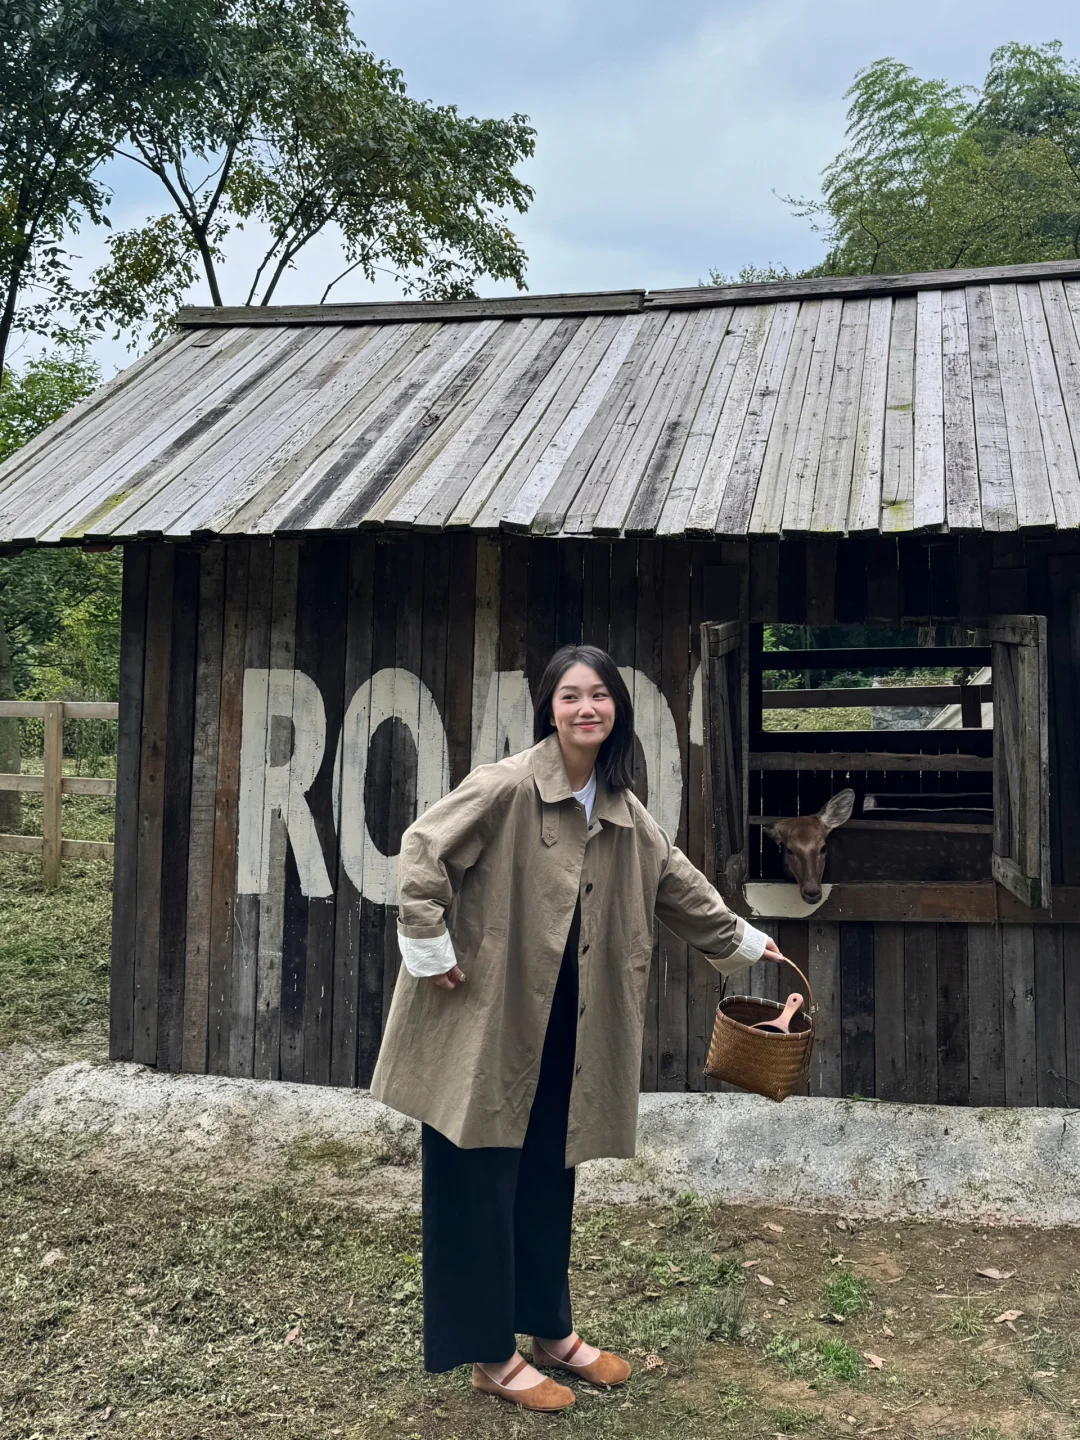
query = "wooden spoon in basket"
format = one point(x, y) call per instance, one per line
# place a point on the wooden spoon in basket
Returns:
point(782, 1024)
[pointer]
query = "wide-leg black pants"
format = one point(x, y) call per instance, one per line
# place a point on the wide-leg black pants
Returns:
point(496, 1220)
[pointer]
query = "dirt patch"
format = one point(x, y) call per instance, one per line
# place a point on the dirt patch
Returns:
point(170, 1311)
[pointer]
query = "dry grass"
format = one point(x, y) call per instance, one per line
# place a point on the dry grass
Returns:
point(161, 1312)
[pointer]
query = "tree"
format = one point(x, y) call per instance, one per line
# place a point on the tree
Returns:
point(936, 175)
point(264, 114)
point(289, 126)
point(69, 72)
point(56, 602)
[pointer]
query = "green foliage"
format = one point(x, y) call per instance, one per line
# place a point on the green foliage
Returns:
point(288, 126)
point(44, 390)
point(69, 71)
point(937, 175)
point(268, 114)
point(751, 275)
point(60, 608)
point(968, 1320)
point(839, 1361)
point(62, 613)
point(819, 1359)
point(845, 1294)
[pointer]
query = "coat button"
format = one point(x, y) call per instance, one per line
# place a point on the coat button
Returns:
point(577, 1069)
point(584, 949)
point(588, 888)
point(582, 1010)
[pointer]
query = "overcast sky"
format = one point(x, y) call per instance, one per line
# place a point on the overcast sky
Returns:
point(666, 128)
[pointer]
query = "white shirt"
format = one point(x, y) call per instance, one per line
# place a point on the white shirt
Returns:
point(435, 955)
point(587, 796)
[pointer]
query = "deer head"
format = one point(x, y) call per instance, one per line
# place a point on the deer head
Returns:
point(802, 839)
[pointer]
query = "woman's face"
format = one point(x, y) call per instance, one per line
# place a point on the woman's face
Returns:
point(582, 709)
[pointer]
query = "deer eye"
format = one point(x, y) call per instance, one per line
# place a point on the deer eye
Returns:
point(822, 850)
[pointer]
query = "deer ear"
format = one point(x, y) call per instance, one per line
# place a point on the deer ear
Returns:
point(837, 810)
point(770, 830)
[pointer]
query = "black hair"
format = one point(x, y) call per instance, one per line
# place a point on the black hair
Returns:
point(616, 757)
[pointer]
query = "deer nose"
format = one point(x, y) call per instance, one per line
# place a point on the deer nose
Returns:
point(811, 896)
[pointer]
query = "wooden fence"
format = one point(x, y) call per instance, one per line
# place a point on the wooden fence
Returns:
point(54, 784)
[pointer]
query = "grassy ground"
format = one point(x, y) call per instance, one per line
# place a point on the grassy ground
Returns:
point(54, 948)
point(162, 1312)
point(155, 1309)
point(841, 717)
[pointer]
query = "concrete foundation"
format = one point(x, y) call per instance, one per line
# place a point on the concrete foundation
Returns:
point(858, 1158)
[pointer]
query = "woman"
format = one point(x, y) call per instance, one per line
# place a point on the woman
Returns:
point(526, 902)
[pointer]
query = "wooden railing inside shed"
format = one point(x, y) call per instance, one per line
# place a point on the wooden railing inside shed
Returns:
point(53, 785)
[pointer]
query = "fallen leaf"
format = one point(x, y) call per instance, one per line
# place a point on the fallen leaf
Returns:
point(992, 1274)
point(654, 1361)
point(886, 1331)
point(842, 1225)
point(293, 1336)
point(50, 1258)
point(107, 1412)
point(836, 1260)
point(1007, 1317)
point(777, 1229)
point(749, 1264)
point(764, 1280)
point(780, 1300)
point(767, 1315)
point(874, 1361)
point(135, 1290)
point(1044, 1374)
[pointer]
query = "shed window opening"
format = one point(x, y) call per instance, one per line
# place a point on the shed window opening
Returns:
point(934, 737)
point(918, 701)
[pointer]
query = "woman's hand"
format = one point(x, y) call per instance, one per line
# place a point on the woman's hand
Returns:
point(772, 952)
point(450, 981)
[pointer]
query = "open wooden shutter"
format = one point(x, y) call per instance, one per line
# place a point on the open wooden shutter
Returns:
point(726, 695)
point(1021, 859)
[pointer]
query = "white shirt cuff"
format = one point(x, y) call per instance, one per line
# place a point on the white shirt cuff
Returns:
point(431, 956)
point(752, 945)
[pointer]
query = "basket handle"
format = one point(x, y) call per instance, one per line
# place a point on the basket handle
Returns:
point(806, 982)
point(802, 977)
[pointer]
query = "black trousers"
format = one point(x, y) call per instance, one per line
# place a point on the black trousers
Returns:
point(496, 1219)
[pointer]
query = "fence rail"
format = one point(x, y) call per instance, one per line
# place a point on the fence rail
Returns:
point(53, 785)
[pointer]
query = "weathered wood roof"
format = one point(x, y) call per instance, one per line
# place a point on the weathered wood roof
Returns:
point(895, 403)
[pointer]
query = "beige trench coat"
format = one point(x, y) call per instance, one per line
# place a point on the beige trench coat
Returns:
point(501, 862)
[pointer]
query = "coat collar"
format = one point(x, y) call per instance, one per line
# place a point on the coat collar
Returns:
point(549, 772)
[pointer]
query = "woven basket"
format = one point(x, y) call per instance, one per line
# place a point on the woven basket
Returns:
point(769, 1065)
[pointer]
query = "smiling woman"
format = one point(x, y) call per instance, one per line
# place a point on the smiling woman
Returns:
point(527, 898)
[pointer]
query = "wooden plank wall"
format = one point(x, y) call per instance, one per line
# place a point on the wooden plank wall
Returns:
point(285, 985)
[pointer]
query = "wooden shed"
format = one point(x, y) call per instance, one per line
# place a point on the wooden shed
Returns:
point(354, 533)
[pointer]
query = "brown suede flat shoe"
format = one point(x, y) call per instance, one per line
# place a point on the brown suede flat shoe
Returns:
point(606, 1369)
point(548, 1395)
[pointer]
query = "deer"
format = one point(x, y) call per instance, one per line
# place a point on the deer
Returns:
point(802, 838)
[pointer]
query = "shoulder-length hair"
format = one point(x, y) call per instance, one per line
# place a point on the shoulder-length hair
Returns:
point(616, 758)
